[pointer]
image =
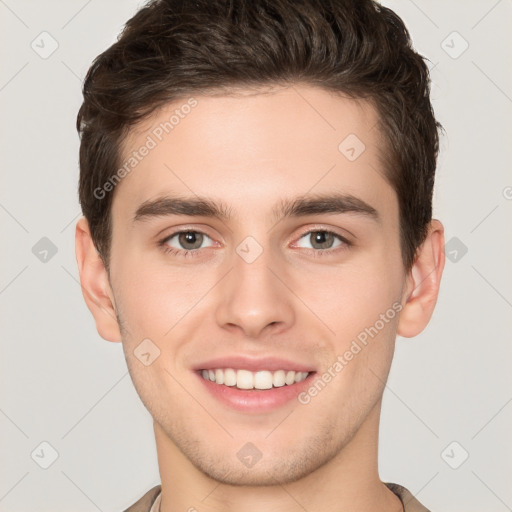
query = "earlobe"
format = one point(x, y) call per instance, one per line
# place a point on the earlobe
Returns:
point(95, 283)
point(423, 281)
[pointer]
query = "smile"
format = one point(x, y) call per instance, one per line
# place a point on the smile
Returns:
point(247, 380)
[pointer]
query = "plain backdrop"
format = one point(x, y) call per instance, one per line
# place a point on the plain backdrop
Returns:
point(447, 411)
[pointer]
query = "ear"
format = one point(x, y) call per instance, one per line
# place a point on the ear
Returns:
point(95, 283)
point(422, 283)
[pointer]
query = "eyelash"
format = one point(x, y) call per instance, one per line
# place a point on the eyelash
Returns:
point(317, 253)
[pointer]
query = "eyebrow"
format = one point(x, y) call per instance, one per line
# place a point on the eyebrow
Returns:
point(302, 206)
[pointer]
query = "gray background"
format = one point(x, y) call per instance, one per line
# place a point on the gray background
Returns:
point(60, 383)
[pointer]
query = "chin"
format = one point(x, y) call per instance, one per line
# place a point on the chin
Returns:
point(271, 473)
point(274, 465)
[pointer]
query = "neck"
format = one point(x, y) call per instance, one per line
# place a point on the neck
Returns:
point(348, 482)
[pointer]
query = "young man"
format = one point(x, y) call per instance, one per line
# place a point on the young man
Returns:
point(256, 181)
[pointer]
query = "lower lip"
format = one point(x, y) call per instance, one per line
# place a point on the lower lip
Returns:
point(255, 400)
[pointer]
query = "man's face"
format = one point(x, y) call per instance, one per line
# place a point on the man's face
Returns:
point(259, 290)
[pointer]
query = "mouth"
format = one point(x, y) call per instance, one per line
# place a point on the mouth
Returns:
point(248, 380)
point(254, 391)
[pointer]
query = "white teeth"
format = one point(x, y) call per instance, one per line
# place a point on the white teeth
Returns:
point(245, 379)
point(263, 380)
point(290, 378)
point(278, 379)
point(229, 377)
point(299, 376)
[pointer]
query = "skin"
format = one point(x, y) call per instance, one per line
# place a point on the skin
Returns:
point(252, 150)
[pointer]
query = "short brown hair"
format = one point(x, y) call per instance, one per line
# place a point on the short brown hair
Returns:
point(174, 48)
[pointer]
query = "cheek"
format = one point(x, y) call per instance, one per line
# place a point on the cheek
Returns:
point(352, 297)
point(367, 324)
point(154, 298)
point(364, 316)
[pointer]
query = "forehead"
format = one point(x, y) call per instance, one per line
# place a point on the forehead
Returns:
point(254, 148)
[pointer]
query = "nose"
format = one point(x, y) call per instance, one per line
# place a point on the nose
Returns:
point(253, 298)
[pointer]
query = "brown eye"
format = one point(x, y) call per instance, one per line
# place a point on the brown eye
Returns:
point(321, 240)
point(190, 240)
point(187, 240)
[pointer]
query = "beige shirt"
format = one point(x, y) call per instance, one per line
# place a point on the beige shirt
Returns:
point(150, 502)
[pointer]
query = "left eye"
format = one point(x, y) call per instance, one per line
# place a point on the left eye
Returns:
point(321, 240)
point(187, 240)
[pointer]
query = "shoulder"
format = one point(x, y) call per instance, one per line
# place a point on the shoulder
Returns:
point(411, 504)
point(145, 502)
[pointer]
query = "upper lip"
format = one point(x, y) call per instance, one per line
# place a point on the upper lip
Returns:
point(254, 364)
